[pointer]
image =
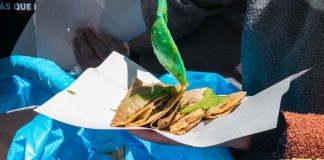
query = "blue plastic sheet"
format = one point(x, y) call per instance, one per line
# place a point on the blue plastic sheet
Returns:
point(26, 81)
point(204, 79)
point(44, 138)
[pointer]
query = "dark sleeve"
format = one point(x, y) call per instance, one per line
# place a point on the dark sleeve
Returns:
point(263, 145)
point(296, 136)
point(210, 3)
point(183, 17)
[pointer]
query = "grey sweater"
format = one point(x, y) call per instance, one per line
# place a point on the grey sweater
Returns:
point(282, 37)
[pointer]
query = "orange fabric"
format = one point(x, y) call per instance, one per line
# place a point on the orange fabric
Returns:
point(305, 136)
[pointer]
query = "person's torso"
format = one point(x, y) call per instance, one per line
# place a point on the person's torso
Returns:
point(280, 38)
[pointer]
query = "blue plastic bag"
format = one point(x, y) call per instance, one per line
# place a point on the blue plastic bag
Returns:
point(203, 79)
point(26, 81)
point(44, 138)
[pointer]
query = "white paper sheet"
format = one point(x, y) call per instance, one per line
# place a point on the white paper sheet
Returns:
point(99, 91)
point(58, 20)
point(26, 44)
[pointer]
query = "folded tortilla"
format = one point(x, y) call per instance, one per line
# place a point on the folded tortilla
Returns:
point(186, 123)
point(151, 113)
point(167, 113)
point(202, 103)
point(190, 97)
point(139, 100)
point(166, 107)
point(233, 100)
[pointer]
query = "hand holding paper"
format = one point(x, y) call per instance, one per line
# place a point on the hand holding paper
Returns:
point(241, 143)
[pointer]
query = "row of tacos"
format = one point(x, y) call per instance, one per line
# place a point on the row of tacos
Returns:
point(167, 107)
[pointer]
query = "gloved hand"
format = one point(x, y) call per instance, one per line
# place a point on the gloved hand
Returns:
point(92, 48)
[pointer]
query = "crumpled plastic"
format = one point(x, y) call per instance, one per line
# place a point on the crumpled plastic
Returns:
point(204, 79)
point(45, 138)
point(26, 81)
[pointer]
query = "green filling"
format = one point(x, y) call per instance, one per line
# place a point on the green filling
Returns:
point(154, 92)
point(210, 100)
point(114, 110)
point(164, 46)
point(71, 92)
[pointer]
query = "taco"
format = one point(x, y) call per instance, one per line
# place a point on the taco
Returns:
point(166, 107)
point(187, 122)
point(231, 103)
point(202, 103)
point(141, 101)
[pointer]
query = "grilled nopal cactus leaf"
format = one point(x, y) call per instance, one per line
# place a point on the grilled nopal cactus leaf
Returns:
point(165, 48)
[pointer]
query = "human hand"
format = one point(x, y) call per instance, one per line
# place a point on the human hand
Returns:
point(91, 48)
point(153, 136)
point(241, 143)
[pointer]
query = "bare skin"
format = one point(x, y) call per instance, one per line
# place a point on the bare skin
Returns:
point(149, 135)
point(9, 124)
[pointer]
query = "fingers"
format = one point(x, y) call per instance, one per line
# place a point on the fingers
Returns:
point(153, 136)
point(83, 51)
point(91, 48)
point(241, 143)
point(97, 45)
point(111, 42)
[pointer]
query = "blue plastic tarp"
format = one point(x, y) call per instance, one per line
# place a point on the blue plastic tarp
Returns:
point(26, 81)
point(34, 80)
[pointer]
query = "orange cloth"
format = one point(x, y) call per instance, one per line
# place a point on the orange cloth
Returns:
point(304, 136)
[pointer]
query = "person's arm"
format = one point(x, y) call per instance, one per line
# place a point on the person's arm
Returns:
point(149, 135)
point(9, 124)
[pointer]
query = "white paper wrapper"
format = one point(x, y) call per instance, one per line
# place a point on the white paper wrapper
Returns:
point(100, 90)
point(26, 43)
